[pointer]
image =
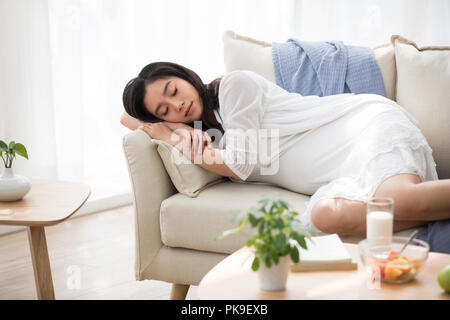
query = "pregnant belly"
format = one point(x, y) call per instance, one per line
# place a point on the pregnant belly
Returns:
point(316, 159)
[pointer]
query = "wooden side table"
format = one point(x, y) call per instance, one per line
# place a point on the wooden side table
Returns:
point(48, 203)
point(233, 279)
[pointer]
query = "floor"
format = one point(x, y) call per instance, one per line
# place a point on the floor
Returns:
point(91, 257)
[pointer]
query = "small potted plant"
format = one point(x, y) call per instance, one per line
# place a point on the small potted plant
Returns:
point(12, 186)
point(277, 233)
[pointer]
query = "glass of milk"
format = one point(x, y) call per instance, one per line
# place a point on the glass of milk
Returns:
point(379, 221)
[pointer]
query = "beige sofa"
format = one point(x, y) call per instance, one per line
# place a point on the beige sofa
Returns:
point(174, 232)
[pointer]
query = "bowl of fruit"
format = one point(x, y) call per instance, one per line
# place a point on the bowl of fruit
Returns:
point(391, 265)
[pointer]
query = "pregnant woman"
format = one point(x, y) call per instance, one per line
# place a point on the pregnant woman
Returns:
point(341, 149)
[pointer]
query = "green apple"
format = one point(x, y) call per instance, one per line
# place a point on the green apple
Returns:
point(444, 278)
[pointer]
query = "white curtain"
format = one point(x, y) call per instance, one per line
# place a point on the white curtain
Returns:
point(64, 63)
point(372, 22)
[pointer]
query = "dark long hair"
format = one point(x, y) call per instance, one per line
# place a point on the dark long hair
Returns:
point(134, 92)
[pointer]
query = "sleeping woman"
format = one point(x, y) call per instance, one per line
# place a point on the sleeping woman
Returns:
point(340, 149)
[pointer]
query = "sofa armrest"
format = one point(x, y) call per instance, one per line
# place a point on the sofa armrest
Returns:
point(151, 185)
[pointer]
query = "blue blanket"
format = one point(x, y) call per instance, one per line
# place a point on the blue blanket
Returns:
point(437, 235)
point(325, 68)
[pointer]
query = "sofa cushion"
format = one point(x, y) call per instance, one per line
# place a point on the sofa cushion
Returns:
point(195, 223)
point(244, 53)
point(423, 88)
point(188, 178)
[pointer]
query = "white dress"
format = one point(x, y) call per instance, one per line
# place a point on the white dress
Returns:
point(336, 146)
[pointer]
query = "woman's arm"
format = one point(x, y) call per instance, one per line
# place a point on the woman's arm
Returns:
point(133, 123)
point(196, 145)
point(129, 121)
point(192, 146)
point(219, 167)
point(177, 125)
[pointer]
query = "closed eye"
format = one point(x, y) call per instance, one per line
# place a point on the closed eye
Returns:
point(167, 108)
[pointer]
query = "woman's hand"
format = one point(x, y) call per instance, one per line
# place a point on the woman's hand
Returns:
point(196, 139)
point(199, 141)
point(158, 131)
point(191, 142)
point(129, 121)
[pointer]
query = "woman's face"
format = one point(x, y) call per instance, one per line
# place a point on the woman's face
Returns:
point(173, 99)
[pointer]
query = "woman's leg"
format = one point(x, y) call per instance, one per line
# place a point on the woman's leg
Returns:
point(339, 215)
point(348, 217)
point(415, 200)
point(437, 199)
point(415, 203)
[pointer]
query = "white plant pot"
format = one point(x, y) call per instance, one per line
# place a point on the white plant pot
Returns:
point(275, 277)
point(13, 187)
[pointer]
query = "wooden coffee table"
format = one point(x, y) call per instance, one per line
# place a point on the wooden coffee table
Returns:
point(233, 279)
point(46, 204)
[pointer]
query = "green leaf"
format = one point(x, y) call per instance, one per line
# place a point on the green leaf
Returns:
point(299, 227)
point(253, 220)
point(294, 254)
point(253, 210)
point(273, 208)
point(284, 204)
point(267, 261)
point(255, 264)
point(263, 202)
point(259, 246)
point(275, 257)
point(11, 144)
point(238, 216)
point(300, 239)
point(20, 150)
point(279, 223)
point(226, 233)
point(261, 227)
point(280, 242)
point(286, 250)
point(241, 225)
point(3, 146)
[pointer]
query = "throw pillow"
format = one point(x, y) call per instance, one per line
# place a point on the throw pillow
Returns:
point(244, 53)
point(385, 58)
point(188, 178)
point(423, 88)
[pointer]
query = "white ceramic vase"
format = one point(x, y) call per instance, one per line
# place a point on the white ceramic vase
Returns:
point(275, 277)
point(13, 186)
